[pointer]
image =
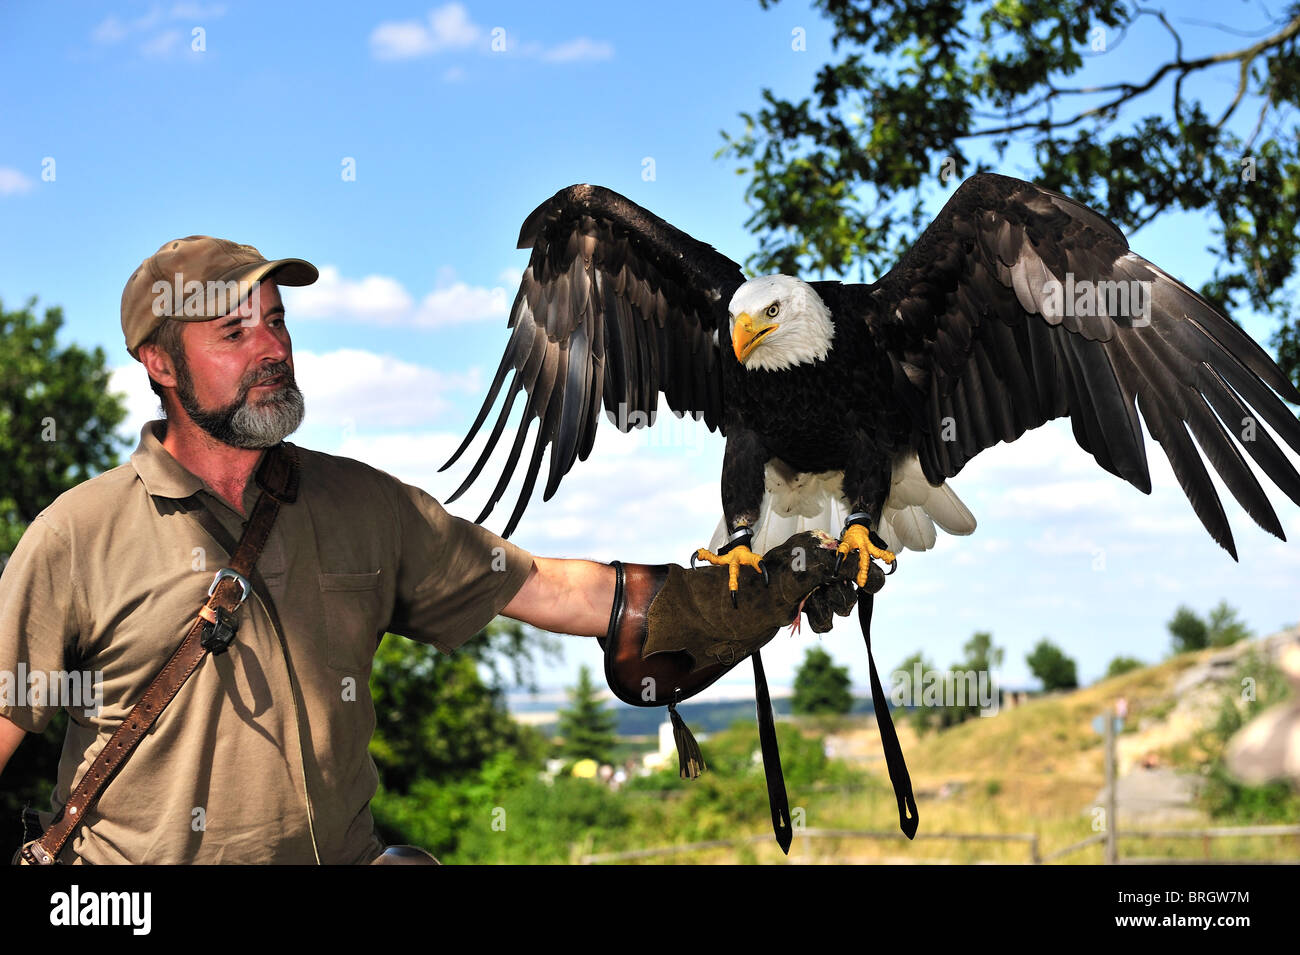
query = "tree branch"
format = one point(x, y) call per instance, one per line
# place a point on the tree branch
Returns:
point(1182, 67)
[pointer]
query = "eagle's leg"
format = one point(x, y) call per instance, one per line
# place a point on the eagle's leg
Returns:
point(733, 557)
point(742, 495)
point(858, 536)
point(866, 488)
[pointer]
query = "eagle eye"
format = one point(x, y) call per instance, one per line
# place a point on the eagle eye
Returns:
point(773, 309)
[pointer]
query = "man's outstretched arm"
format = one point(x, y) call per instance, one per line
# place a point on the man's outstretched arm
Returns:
point(11, 734)
point(565, 596)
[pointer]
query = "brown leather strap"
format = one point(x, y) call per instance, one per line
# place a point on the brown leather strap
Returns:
point(277, 476)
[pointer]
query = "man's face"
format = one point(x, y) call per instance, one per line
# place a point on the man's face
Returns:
point(235, 379)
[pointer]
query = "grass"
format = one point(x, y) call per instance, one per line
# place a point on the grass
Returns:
point(1033, 769)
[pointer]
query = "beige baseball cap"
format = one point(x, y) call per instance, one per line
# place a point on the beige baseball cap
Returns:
point(196, 279)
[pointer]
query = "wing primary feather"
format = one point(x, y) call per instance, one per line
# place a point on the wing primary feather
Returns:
point(622, 302)
point(1232, 467)
point(572, 373)
point(527, 374)
point(538, 399)
point(513, 348)
point(1233, 411)
point(530, 479)
point(1185, 460)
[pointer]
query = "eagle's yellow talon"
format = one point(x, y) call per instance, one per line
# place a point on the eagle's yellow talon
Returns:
point(858, 538)
point(733, 559)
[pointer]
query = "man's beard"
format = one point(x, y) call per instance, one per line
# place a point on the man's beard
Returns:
point(242, 424)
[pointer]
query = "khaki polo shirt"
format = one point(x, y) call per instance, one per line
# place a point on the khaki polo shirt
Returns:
point(263, 755)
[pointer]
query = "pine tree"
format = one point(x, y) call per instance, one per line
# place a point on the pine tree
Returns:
point(587, 726)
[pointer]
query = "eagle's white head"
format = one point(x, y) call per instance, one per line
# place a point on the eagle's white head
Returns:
point(777, 322)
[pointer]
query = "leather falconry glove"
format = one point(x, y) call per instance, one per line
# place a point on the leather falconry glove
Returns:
point(673, 632)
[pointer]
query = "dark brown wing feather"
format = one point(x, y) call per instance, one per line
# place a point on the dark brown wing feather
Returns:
point(981, 353)
point(616, 306)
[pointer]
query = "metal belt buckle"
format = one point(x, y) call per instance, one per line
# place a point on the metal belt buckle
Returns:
point(233, 575)
point(219, 634)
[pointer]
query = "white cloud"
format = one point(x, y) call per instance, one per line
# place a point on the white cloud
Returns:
point(13, 182)
point(109, 31)
point(150, 19)
point(348, 392)
point(461, 303)
point(360, 391)
point(400, 41)
point(155, 45)
point(580, 49)
point(196, 11)
point(451, 26)
point(132, 383)
point(383, 300)
point(448, 27)
point(162, 45)
point(376, 298)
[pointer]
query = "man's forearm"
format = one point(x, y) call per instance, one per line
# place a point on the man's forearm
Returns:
point(565, 596)
point(10, 736)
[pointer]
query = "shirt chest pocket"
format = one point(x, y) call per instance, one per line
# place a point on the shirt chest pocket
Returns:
point(352, 605)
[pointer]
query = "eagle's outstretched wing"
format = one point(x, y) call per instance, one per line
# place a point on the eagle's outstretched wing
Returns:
point(984, 346)
point(615, 304)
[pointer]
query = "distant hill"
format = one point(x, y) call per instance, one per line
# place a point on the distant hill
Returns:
point(700, 717)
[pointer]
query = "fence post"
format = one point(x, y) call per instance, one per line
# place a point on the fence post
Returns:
point(1112, 823)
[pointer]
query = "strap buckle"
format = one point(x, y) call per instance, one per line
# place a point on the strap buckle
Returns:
point(33, 853)
point(219, 624)
point(218, 634)
point(233, 575)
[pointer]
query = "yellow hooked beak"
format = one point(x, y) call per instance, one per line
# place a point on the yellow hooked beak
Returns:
point(748, 333)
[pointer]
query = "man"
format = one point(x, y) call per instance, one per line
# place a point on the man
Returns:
point(262, 755)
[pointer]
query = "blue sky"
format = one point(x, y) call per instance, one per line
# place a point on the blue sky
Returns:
point(124, 125)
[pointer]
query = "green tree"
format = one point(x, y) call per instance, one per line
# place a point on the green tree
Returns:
point(445, 745)
point(1192, 632)
point(507, 646)
point(1050, 665)
point(981, 654)
point(1224, 628)
point(57, 418)
point(587, 726)
point(839, 178)
point(57, 421)
point(435, 718)
point(982, 657)
point(1121, 665)
point(820, 686)
point(1189, 631)
point(904, 677)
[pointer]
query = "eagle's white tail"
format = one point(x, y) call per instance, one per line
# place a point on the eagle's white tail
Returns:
point(794, 502)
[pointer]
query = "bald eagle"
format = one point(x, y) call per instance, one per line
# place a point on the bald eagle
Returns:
point(847, 407)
